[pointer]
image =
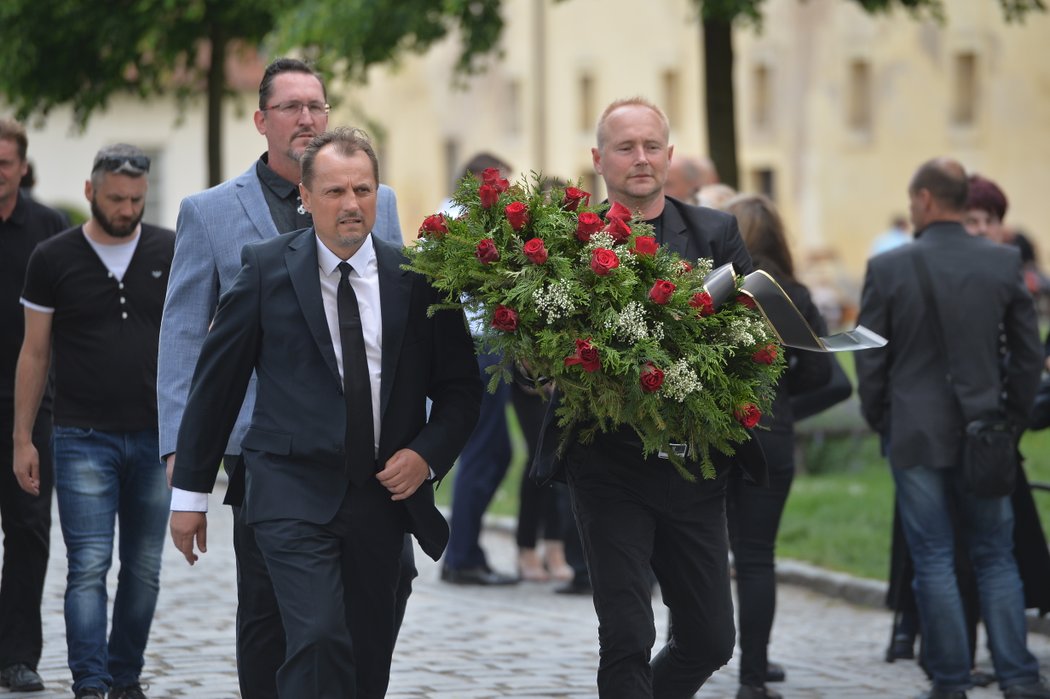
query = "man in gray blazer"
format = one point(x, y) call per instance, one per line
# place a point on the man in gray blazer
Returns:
point(340, 454)
point(988, 323)
point(212, 227)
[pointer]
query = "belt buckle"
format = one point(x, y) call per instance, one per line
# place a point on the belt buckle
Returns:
point(678, 449)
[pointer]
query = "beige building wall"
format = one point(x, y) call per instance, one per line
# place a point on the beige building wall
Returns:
point(835, 109)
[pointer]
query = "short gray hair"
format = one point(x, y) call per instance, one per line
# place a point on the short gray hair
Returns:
point(119, 158)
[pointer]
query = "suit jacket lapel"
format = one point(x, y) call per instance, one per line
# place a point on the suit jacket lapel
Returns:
point(675, 233)
point(301, 260)
point(250, 194)
point(395, 292)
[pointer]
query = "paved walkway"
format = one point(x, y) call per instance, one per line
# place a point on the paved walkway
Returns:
point(476, 643)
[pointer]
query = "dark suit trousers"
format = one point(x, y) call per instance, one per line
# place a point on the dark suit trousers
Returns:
point(632, 512)
point(336, 586)
point(27, 539)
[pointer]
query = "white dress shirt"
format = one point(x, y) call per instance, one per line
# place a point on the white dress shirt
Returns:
point(365, 281)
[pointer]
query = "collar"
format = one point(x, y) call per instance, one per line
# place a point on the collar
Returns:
point(361, 260)
point(274, 182)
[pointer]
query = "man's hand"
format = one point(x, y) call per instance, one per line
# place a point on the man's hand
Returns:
point(187, 526)
point(170, 468)
point(404, 472)
point(27, 467)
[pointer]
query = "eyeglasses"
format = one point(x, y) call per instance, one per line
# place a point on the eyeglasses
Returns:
point(290, 109)
point(131, 164)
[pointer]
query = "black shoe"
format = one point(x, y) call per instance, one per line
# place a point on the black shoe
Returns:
point(757, 691)
point(935, 693)
point(131, 691)
point(980, 678)
point(21, 678)
point(1036, 690)
point(902, 647)
point(775, 672)
point(90, 693)
point(481, 575)
point(575, 587)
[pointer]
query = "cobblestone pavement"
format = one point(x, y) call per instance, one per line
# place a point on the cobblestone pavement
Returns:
point(476, 643)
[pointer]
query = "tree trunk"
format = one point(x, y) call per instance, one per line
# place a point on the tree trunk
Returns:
point(719, 96)
point(216, 90)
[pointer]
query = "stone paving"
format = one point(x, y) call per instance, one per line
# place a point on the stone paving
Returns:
point(479, 643)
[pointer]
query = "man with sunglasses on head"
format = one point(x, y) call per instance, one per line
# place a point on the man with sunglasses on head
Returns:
point(212, 227)
point(93, 299)
point(26, 517)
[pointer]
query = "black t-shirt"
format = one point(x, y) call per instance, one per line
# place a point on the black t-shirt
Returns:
point(282, 198)
point(30, 222)
point(104, 330)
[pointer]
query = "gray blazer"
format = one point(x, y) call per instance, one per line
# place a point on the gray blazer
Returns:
point(212, 227)
point(980, 296)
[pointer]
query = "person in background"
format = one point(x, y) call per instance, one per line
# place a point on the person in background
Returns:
point(754, 511)
point(896, 234)
point(919, 414)
point(26, 517)
point(687, 175)
point(93, 299)
point(486, 456)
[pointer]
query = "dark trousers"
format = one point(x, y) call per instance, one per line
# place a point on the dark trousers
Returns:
point(632, 513)
point(26, 523)
point(336, 585)
point(754, 517)
point(260, 632)
point(482, 465)
point(539, 507)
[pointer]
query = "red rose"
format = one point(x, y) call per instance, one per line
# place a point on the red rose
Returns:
point(645, 245)
point(573, 197)
point(505, 319)
point(765, 355)
point(685, 267)
point(486, 251)
point(748, 415)
point(618, 229)
point(652, 378)
point(490, 176)
point(604, 261)
point(517, 214)
point(535, 251)
point(703, 302)
point(586, 356)
point(587, 225)
point(618, 211)
point(489, 195)
point(434, 226)
point(746, 300)
point(661, 292)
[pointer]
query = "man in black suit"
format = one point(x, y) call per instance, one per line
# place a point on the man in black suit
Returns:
point(340, 456)
point(988, 323)
point(634, 511)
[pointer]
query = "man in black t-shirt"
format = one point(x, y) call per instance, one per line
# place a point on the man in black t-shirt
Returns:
point(93, 299)
point(26, 516)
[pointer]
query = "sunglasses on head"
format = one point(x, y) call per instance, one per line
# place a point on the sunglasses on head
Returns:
point(133, 164)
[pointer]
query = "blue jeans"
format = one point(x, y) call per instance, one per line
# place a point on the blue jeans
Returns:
point(926, 498)
point(100, 477)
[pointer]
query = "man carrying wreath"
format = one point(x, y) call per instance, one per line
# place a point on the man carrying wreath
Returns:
point(636, 511)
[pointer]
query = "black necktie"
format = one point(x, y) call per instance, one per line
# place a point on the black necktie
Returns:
point(357, 390)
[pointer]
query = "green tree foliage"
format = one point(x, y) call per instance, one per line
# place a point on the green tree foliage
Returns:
point(81, 54)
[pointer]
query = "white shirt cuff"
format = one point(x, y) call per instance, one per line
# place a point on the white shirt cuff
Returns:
point(188, 501)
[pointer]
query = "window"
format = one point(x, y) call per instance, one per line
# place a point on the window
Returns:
point(671, 100)
point(154, 212)
point(859, 104)
point(964, 103)
point(765, 182)
point(762, 109)
point(588, 119)
point(514, 108)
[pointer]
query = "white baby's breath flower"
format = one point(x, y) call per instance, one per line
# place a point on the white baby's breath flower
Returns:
point(555, 299)
point(680, 380)
point(630, 325)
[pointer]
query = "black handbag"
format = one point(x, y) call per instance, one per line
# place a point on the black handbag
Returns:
point(1040, 417)
point(990, 459)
